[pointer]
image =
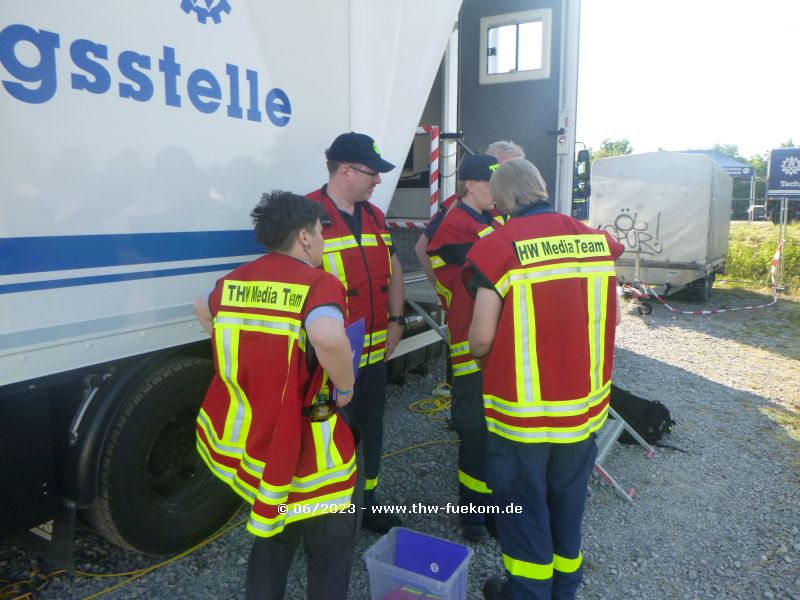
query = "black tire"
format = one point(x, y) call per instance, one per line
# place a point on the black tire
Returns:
point(644, 308)
point(156, 496)
point(702, 288)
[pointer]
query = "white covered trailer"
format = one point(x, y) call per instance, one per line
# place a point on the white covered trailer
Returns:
point(672, 213)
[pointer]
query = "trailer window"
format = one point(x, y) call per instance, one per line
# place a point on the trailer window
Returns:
point(515, 47)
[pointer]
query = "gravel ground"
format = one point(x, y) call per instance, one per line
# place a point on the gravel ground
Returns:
point(717, 520)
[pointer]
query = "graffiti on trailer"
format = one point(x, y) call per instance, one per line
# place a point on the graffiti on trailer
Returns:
point(635, 234)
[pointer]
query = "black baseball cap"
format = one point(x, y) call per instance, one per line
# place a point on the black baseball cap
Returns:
point(477, 167)
point(358, 148)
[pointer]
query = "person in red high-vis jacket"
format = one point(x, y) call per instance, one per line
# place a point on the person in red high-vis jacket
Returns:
point(358, 251)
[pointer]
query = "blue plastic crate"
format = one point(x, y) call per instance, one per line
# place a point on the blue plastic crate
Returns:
point(405, 564)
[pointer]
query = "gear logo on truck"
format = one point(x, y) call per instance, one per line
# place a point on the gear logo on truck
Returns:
point(206, 9)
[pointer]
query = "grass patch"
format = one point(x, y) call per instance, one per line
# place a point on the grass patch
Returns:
point(751, 248)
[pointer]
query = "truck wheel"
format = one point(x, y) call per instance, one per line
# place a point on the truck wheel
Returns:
point(155, 494)
point(702, 288)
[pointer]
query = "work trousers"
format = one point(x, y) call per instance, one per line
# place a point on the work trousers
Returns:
point(466, 411)
point(541, 544)
point(366, 411)
point(328, 541)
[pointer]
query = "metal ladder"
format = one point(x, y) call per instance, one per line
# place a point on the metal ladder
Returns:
point(606, 437)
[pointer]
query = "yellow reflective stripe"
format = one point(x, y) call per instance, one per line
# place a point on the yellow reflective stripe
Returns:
point(237, 421)
point(464, 368)
point(500, 219)
point(566, 270)
point(377, 355)
point(597, 297)
point(459, 349)
point(561, 246)
point(544, 408)
point(528, 570)
point(387, 239)
point(567, 565)
point(378, 337)
point(555, 435)
point(339, 244)
point(436, 261)
point(473, 484)
point(445, 293)
point(364, 359)
point(370, 484)
point(226, 474)
point(333, 264)
point(484, 232)
point(368, 239)
point(525, 358)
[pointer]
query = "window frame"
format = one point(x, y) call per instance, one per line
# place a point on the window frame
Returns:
point(542, 15)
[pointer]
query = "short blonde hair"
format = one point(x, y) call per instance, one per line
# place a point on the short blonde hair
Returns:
point(504, 150)
point(517, 184)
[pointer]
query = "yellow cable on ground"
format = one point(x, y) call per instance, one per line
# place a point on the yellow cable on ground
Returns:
point(439, 401)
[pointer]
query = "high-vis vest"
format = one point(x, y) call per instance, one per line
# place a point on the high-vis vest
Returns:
point(548, 375)
point(363, 266)
point(251, 431)
point(458, 230)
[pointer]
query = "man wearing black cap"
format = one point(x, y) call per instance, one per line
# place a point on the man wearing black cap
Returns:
point(358, 250)
point(472, 219)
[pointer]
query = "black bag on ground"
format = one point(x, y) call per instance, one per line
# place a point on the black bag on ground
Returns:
point(649, 418)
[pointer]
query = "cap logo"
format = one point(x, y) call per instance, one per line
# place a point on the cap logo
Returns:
point(375, 147)
point(493, 167)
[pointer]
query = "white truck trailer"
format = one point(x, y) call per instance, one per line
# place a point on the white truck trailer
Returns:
point(671, 211)
point(135, 140)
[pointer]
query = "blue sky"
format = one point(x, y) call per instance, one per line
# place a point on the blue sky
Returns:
point(686, 74)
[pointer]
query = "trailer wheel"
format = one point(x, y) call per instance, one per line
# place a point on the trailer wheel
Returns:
point(702, 288)
point(155, 494)
point(644, 308)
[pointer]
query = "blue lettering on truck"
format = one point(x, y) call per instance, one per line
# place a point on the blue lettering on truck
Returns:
point(37, 83)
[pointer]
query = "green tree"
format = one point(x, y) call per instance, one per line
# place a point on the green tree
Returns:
point(610, 147)
point(729, 150)
point(759, 163)
point(788, 144)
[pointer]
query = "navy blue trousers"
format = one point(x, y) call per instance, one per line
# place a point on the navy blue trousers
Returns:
point(540, 540)
point(468, 418)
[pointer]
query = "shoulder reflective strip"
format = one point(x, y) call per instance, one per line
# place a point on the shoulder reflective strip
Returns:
point(333, 264)
point(528, 570)
point(567, 565)
point(436, 261)
point(459, 348)
point(318, 480)
point(526, 361)
point(239, 407)
point(338, 244)
point(500, 219)
point(486, 231)
point(465, 368)
point(550, 407)
point(370, 484)
point(561, 246)
point(446, 294)
point(473, 484)
point(597, 298)
point(387, 239)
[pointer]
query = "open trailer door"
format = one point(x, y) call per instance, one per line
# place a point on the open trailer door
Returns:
point(518, 67)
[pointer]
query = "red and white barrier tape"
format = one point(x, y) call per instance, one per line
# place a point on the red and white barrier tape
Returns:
point(649, 292)
point(396, 224)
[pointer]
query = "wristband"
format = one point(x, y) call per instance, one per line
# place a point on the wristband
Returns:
point(343, 392)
